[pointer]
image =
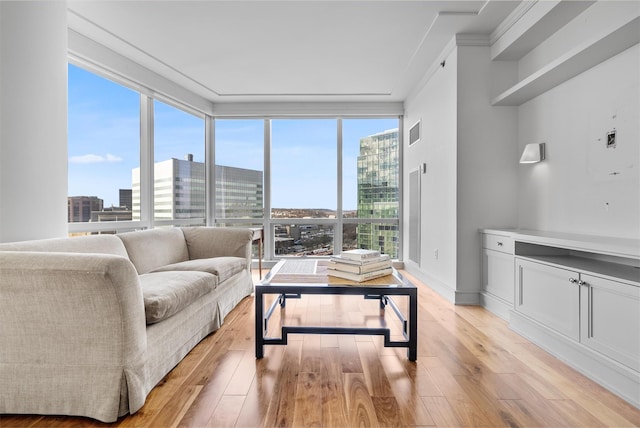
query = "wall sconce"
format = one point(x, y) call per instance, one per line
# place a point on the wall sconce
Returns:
point(533, 153)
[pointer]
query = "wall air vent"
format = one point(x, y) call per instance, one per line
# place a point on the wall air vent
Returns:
point(414, 133)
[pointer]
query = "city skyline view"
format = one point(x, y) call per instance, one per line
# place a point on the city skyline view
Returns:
point(311, 162)
point(104, 135)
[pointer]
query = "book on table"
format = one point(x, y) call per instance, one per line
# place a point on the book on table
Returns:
point(359, 268)
point(346, 260)
point(360, 254)
point(360, 277)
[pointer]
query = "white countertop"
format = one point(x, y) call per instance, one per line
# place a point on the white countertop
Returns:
point(623, 247)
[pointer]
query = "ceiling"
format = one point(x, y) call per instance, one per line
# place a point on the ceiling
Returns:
point(304, 51)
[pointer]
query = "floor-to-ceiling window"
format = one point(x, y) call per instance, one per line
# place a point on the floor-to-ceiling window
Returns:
point(371, 184)
point(179, 195)
point(316, 185)
point(103, 146)
point(239, 173)
point(328, 183)
point(303, 189)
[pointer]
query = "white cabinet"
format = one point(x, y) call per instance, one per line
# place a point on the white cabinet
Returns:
point(549, 295)
point(576, 296)
point(600, 313)
point(610, 319)
point(497, 273)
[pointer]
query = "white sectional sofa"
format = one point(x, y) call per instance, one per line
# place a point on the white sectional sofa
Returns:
point(89, 325)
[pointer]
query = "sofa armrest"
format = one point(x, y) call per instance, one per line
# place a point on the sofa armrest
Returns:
point(208, 242)
point(70, 309)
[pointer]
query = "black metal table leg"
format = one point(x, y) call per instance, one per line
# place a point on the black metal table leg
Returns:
point(259, 304)
point(412, 352)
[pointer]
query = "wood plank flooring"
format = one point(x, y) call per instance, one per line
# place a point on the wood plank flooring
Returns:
point(472, 371)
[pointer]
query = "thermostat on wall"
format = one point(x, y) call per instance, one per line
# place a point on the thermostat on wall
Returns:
point(611, 139)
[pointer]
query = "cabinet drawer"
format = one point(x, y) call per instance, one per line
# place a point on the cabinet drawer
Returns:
point(501, 243)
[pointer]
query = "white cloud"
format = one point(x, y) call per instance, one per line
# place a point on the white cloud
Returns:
point(91, 158)
point(113, 158)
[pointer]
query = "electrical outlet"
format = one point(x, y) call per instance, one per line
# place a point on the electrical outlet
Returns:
point(435, 254)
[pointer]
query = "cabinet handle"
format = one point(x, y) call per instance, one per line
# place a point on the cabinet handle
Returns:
point(573, 280)
point(499, 244)
point(583, 283)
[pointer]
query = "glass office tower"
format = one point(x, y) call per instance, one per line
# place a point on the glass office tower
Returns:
point(239, 193)
point(378, 191)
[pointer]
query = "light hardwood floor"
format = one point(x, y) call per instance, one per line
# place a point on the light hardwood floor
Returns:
point(471, 371)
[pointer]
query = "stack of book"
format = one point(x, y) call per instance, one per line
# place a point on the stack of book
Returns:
point(360, 265)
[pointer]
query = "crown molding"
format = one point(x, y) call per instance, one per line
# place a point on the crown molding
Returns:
point(87, 28)
point(318, 109)
point(511, 20)
point(466, 39)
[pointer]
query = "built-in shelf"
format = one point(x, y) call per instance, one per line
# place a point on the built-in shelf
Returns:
point(530, 24)
point(574, 62)
point(607, 269)
point(628, 248)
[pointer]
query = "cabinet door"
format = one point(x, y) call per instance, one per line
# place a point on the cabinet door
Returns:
point(549, 295)
point(497, 274)
point(610, 324)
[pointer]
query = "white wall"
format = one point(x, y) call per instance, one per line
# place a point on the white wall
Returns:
point(435, 105)
point(33, 115)
point(487, 163)
point(582, 187)
point(569, 192)
point(470, 149)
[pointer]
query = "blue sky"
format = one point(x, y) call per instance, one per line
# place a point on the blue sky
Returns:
point(104, 139)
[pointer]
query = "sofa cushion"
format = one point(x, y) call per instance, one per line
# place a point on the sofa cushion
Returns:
point(206, 242)
point(167, 293)
point(150, 249)
point(223, 267)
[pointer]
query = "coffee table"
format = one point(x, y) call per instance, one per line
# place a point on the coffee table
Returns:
point(290, 279)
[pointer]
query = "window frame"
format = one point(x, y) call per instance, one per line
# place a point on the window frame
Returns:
point(147, 220)
point(269, 223)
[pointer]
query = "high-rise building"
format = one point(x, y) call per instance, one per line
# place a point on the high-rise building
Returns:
point(126, 200)
point(112, 214)
point(378, 191)
point(80, 207)
point(239, 193)
point(180, 189)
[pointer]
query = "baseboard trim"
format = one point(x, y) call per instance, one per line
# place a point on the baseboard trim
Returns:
point(617, 378)
point(433, 283)
point(496, 305)
point(467, 298)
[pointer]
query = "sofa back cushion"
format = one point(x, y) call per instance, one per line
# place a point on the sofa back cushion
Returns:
point(208, 242)
point(222, 267)
point(99, 244)
point(151, 249)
